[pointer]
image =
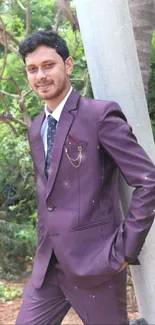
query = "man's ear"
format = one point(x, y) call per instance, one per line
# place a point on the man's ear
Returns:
point(69, 63)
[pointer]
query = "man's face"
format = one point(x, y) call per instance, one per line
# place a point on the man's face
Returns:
point(47, 73)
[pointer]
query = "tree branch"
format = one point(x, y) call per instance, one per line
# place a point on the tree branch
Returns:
point(28, 17)
point(20, 5)
point(84, 91)
point(12, 49)
point(82, 78)
point(4, 36)
point(57, 20)
point(14, 82)
point(9, 117)
point(23, 110)
point(67, 12)
point(10, 36)
point(4, 103)
point(3, 92)
point(76, 44)
point(13, 129)
point(5, 48)
point(28, 92)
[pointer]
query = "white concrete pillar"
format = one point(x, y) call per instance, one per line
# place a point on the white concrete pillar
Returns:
point(113, 64)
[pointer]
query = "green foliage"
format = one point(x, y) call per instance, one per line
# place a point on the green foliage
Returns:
point(9, 293)
point(17, 187)
point(18, 244)
point(17, 204)
point(18, 215)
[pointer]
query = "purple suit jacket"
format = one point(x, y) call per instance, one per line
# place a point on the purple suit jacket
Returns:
point(79, 214)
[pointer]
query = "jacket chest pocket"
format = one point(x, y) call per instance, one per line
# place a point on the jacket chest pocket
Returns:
point(75, 153)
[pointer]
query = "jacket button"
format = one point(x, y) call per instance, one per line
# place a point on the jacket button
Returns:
point(50, 209)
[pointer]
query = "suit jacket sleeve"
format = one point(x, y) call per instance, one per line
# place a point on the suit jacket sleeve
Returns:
point(120, 143)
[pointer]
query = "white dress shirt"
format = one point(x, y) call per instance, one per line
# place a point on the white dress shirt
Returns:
point(56, 114)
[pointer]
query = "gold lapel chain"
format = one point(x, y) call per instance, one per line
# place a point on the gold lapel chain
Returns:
point(78, 158)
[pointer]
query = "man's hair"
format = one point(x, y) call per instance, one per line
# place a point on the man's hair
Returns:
point(47, 38)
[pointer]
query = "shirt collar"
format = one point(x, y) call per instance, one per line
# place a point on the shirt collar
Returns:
point(58, 110)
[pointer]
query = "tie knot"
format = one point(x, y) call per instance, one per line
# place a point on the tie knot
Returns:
point(51, 121)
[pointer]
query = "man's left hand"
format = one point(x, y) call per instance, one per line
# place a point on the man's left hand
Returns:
point(124, 265)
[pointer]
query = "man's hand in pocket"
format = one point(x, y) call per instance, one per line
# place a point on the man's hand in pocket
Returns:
point(124, 265)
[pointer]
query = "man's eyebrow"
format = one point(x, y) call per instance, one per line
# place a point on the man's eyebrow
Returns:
point(47, 61)
point(44, 62)
point(30, 65)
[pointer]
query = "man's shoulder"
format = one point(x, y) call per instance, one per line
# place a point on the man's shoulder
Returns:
point(97, 106)
point(35, 124)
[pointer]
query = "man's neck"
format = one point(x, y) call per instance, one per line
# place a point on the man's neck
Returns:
point(54, 103)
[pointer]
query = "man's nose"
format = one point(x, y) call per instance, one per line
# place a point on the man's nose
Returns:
point(41, 74)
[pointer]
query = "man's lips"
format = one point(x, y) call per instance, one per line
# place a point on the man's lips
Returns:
point(44, 86)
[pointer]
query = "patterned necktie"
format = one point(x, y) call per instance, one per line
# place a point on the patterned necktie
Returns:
point(50, 139)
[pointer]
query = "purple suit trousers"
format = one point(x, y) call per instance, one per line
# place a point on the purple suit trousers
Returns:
point(101, 305)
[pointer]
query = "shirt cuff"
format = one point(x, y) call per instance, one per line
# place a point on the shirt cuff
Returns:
point(131, 261)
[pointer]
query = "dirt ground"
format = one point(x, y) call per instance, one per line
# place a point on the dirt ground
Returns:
point(9, 309)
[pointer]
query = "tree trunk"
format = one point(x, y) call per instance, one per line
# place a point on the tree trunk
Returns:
point(142, 14)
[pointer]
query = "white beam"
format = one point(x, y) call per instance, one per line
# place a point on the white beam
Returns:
point(113, 64)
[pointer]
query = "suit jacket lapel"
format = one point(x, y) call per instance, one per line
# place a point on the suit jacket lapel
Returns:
point(37, 145)
point(64, 125)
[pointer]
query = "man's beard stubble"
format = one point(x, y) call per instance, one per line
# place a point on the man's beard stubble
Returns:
point(53, 94)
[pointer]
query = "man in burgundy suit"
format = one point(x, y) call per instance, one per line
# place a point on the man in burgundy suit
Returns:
point(79, 146)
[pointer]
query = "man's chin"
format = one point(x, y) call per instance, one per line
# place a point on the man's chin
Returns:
point(45, 95)
point(48, 95)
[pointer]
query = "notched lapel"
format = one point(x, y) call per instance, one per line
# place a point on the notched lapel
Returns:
point(64, 125)
point(39, 157)
point(37, 146)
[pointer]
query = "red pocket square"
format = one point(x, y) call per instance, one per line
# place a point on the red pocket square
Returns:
point(72, 140)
